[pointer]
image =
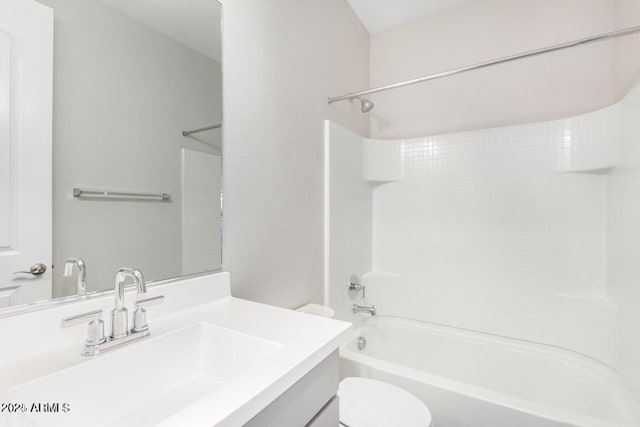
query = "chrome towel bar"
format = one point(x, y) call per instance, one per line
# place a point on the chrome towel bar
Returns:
point(78, 192)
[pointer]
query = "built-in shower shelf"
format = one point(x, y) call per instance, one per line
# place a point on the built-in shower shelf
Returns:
point(589, 143)
point(601, 300)
point(593, 171)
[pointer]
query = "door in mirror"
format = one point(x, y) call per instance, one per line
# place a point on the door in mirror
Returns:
point(26, 63)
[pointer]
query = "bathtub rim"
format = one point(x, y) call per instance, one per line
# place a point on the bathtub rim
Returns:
point(631, 407)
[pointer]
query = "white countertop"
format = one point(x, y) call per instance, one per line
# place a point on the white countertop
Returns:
point(34, 346)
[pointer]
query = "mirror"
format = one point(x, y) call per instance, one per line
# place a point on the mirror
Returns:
point(129, 188)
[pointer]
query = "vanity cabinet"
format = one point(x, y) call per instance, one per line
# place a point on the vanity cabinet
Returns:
point(328, 416)
point(310, 402)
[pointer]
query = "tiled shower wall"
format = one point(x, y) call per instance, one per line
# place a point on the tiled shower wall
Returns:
point(488, 231)
point(507, 230)
point(623, 238)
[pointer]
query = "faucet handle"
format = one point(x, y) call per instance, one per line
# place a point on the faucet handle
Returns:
point(140, 315)
point(79, 319)
point(148, 302)
point(95, 329)
point(355, 287)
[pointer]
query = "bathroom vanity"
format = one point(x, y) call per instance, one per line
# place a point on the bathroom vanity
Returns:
point(211, 359)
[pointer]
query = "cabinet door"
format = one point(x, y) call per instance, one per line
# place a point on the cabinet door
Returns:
point(26, 79)
point(303, 403)
point(329, 416)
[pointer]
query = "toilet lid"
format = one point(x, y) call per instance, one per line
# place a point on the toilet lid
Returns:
point(370, 403)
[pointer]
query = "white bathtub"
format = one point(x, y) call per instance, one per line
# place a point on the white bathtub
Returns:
point(476, 380)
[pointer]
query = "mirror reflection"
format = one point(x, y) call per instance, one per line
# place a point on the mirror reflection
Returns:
point(136, 150)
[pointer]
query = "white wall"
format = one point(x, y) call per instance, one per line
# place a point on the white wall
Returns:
point(122, 95)
point(556, 85)
point(281, 61)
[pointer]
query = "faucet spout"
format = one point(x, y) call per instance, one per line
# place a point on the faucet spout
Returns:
point(82, 273)
point(138, 280)
point(119, 315)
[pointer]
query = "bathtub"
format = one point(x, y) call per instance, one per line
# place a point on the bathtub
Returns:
point(470, 379)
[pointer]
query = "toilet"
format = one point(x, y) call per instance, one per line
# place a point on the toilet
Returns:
point(371, 403)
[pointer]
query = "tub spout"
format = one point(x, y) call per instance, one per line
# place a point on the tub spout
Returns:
point(364, 309)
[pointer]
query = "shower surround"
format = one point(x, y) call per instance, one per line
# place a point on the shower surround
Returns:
point(519, 231)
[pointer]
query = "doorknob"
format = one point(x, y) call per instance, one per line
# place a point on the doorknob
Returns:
point(36, 270)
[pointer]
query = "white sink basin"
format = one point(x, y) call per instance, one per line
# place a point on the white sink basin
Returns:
point(146, 382)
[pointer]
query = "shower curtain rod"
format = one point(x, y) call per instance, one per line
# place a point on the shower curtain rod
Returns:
point(592, 39)
point(189, 132)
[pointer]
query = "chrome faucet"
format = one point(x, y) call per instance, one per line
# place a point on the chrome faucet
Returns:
point(364, 309)
point(82, 273)
point(96, 342)
point(120, 315)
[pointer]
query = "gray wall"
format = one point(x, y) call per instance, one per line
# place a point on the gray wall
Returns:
point(281, 60)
